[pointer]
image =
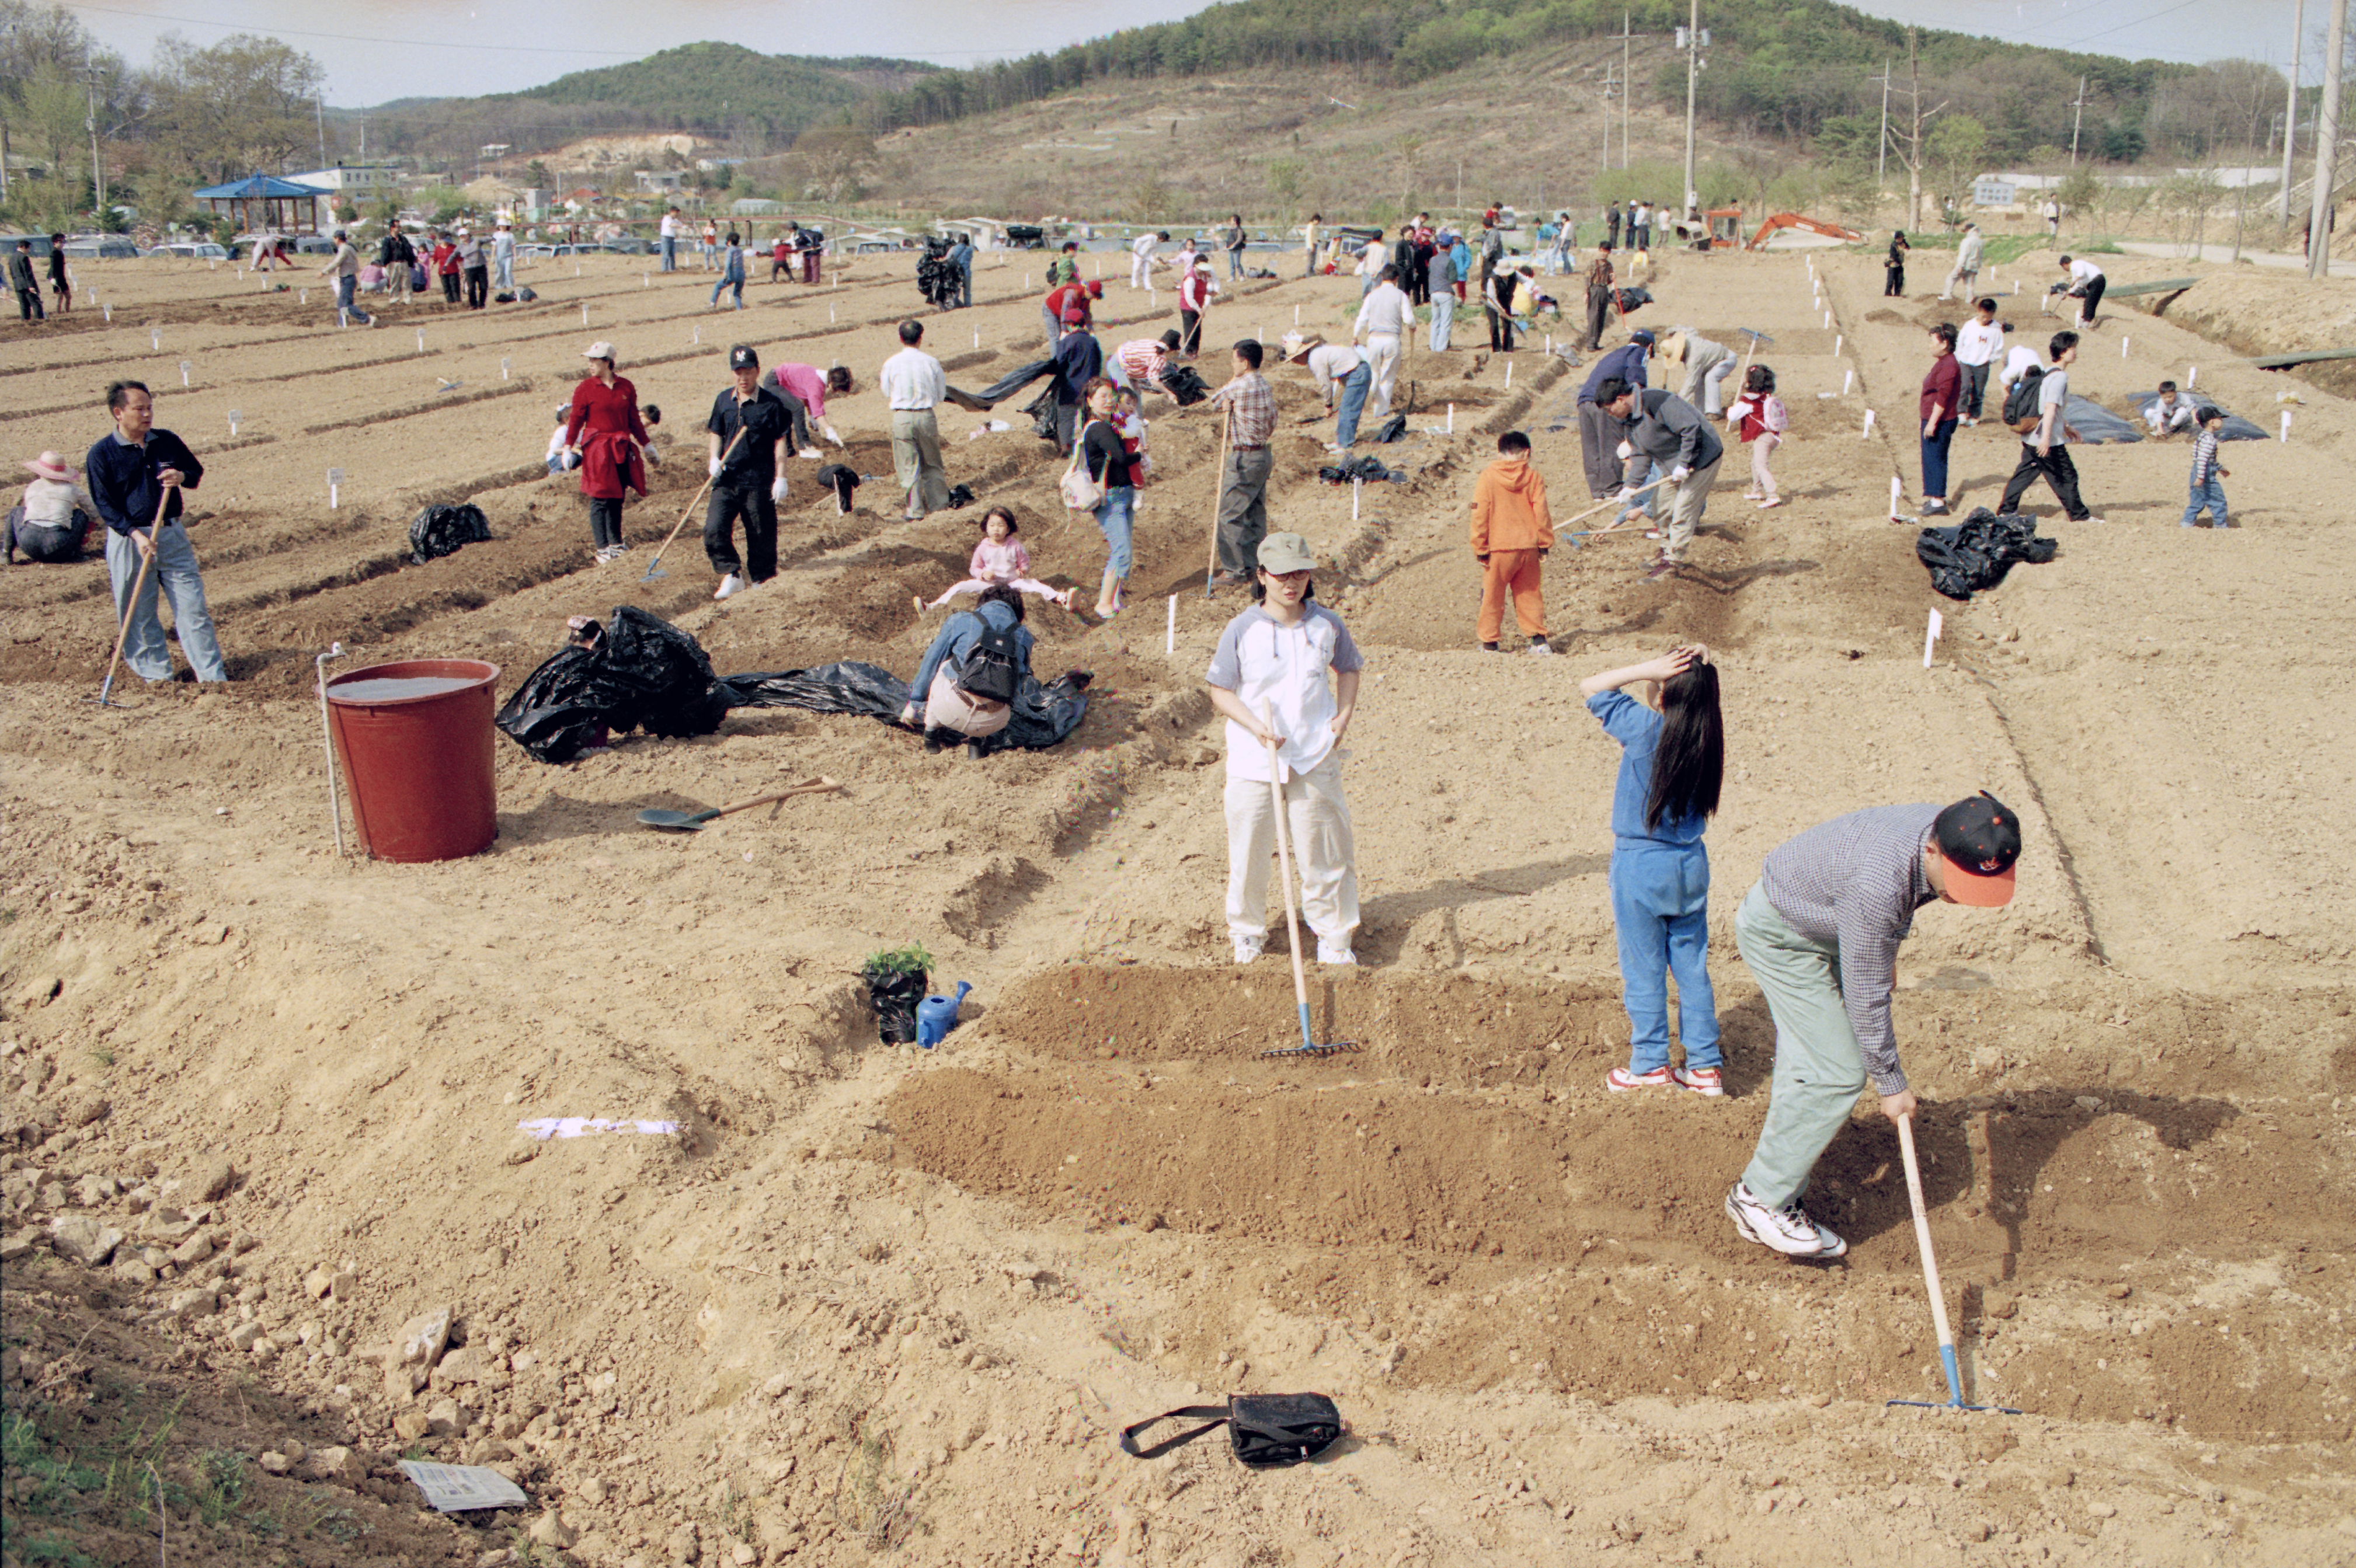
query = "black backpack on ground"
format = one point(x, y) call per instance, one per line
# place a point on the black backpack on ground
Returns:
point(993, 670)
point(2020, 410)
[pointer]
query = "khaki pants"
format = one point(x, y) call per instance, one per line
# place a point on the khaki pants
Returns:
point(1686, 509)
point(1819, 1068)
point(916, 460)
point(1383, 353)
point(1324, 851)
point(396, 282)
point(949, 707)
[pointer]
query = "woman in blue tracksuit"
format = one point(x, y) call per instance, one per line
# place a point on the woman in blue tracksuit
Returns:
point(1671, 763)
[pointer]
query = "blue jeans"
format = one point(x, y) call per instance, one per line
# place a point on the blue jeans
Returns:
point(726, 283)
point(1934, 458)
point(1355, 387)
point(1235, 263)
point(1117, 515)
point(176, 573)
point(2208, 492)
point(670, 253)
point(1647, 471)
point(347, 302)
point(1660, 902)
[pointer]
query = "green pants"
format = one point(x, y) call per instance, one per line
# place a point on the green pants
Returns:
point(1819, 1070)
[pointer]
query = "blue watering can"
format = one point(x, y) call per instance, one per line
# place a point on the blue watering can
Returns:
point(935, 1016)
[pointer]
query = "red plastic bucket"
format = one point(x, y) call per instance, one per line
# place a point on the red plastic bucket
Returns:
point(416, 739)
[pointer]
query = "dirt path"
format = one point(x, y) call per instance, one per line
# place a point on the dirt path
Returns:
point(866, 1301)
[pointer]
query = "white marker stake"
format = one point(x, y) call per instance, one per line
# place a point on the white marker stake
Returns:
point(421, 340)
point(584, 313)
point(1929, 636)
point(2192, 375)
point(335, 487)
point(1296, 315)
point(1452, 419)
point(1897, 494)
point(1828, 321)
point(2123, 347)
point(1509, 372)
point(1026, 280)
point(1868, 432)
point(1169, 640)
point(184, 373)
point(234, 416)
point(1356, 485)
point(2286, 427)
point(830, 310)
point(1848, 379)
point(154, 339)
point(645, 282)
point(505, 365)
point(697, 335)
point(110, 314)
point(976, 338)
point(304, 295)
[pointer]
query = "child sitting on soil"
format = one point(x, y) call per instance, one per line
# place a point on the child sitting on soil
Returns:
point(2208, 474)
point(1671, 764)
point(1000, 560)
point(2169, 413)
point(1758, 417)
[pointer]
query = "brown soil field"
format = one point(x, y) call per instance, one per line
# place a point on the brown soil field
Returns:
point(874, 1304)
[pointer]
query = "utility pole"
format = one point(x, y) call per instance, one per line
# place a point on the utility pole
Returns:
point(319, 107)
point(97, 167)
point(2290, 120)
point(1624, 94)
point(1881, 145)
point(1605, 167)
point(2076, 115)
point(1693, 77)
point(1914, 163)
point(2327, 145)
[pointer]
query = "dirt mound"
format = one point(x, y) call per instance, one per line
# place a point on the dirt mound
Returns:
point(2256, 312)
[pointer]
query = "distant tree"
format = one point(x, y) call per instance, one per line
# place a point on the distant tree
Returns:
point(2122, 143)
point(2080, 191)
point(1285, 180)
point(347, 211)
point(2188, 198)
point(833, 162)
point(243, 105)
point(1951, 155)
point(1849, 139)
point(537, 173)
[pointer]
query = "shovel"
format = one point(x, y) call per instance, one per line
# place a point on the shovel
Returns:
point(105, 698)
point(654, 567)
point(1930, 1279)
point(693, 821)
point(1308, 1046)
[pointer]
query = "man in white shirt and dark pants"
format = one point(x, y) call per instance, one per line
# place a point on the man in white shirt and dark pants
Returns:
point(2086, 286)
point(1383, 316)
point(1977, 344)
point(670, 241)
point(915, 385)
point(1272, 660)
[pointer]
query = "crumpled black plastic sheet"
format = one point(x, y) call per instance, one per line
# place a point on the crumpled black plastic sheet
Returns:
point(1369, 469)
point(1978, 552)
point(444, 530)
point(648, 675)
point(1044, 714)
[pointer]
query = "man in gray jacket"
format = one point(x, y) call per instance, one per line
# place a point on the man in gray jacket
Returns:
point(1665, 428)
point(1967, 264)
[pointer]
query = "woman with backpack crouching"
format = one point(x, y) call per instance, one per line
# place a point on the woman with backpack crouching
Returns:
point(967, 684)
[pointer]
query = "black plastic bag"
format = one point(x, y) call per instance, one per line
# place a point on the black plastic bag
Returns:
point(938, 281)
point(1369, 469)
point(1630, 299)
point(1042, 409)
point(1978, 552)
point(1391, 429)
point(1182, 382)
point(895, 997)
point(648, 674)
point(843, 481)
point(960, 497)
point(444, 530)
point(1042, 716)
point(1013, 382)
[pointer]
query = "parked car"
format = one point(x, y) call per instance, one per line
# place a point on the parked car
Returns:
point(100, 246)
point(627, 247)
point(188, 250)
point(40, 244)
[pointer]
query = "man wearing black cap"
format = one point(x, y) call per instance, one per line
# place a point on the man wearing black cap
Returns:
point(1820, 930)
point(748, 475)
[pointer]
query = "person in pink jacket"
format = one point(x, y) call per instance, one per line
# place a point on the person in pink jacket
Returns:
point(812, 387)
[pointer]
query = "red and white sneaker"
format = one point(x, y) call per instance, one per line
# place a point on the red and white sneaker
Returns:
point(1620, 1079)
point(1701, 1080)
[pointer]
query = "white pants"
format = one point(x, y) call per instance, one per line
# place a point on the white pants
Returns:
point(1704, 386)
point(1383, 353)
point(1140, 270)
point(1324, 848)
point(1970, 280)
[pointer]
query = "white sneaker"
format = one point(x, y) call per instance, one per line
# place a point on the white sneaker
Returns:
point(1787, 1229)
point(1329, 953)
point(1248, 948)
point(1542, 649)
point(729, 586)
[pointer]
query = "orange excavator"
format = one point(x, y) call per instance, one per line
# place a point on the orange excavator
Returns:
point(1795, 220)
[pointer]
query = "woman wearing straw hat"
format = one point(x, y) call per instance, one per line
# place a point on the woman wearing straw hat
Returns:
point(54, 517)
point(605, 432)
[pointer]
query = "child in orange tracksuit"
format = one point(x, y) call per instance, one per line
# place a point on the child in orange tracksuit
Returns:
point(1512, 531)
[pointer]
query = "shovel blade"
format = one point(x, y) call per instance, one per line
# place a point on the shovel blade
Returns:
point(674, 821)
point(654, 572)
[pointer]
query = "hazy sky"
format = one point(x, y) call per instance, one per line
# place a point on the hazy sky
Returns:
point(381, 50)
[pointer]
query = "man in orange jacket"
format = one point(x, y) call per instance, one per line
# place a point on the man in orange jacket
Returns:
point(1512, 531)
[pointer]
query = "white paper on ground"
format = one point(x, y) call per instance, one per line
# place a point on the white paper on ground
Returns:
point(583, 1126)
point(456, 1488)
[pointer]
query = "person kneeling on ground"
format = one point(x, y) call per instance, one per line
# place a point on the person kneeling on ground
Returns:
point(1512, 531)
point(1820, 930)
point(1671, 764)
point(53, 519)
point(978, 654)
point(1271, 663)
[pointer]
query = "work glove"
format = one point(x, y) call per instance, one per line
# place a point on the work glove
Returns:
point(1678, 474)
point(1626, 452)
point(831, 436)
point(777, 488)
point(715, 468)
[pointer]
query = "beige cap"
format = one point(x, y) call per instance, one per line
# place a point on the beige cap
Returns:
point(1283, 553)
point(601, 350)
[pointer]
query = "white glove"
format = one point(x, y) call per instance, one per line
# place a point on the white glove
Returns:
point(715, 468)
point(1626, 452)
point(1678, 474)
point(777, 488)
point(831, 436)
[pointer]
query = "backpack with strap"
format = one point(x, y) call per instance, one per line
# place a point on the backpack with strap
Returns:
point(2020, 410)
point(1081, 491)
point(993, 669)
point(1269, 1430)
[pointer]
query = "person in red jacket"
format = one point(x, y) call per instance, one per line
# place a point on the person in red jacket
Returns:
point(1194, 292)
point(445, 266)
point(605, 430)
point(1512, 531)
